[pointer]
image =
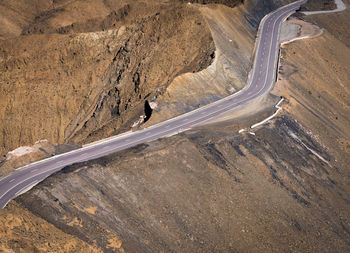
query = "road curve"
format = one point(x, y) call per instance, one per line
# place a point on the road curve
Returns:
point(260, 82)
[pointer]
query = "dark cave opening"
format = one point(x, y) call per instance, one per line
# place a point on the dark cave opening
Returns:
point(148, 111)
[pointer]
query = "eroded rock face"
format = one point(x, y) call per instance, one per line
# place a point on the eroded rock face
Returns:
point(205, 191)
point(234, 31)
point(79, 76)
point(21, 230)
point(312, 5)
point(213, 189)
point(88, 85)
point(230, 3)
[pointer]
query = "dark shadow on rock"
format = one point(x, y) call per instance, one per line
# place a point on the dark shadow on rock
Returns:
point(148, 111)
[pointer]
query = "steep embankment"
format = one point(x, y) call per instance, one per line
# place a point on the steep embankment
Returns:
point(283, 188)
point(314, 77)
point(234, 42)
point(86, 74)
point(233, 31)
point(16, 15)
point(207, 190)
point(22, 231)
point(79, 76)
point(316, 5)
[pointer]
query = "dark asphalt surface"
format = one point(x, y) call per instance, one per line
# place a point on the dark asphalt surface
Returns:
point(260, 83)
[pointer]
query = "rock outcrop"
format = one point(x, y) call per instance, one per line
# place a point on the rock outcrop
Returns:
point(281, 187)
point(92, 81)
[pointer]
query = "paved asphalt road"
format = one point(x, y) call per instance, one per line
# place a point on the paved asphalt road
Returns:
point(261, 81)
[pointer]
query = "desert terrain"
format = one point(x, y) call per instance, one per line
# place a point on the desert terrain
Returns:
point(75, 77)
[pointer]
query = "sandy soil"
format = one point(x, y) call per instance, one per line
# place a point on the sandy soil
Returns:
point(21, 231)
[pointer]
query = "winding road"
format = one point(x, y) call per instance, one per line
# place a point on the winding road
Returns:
point(260, 82)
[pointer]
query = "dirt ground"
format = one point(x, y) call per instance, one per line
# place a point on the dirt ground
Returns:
point(280, 187)
point(81, 76)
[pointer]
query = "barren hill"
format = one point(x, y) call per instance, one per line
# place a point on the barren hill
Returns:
point(280, 187)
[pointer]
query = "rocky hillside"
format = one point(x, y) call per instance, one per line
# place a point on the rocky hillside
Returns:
point(233, 31)
point(84, 80)
point(104, 59)
point(229, 3)
point(319, 5)
point(200, 191)
point(280, 187)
